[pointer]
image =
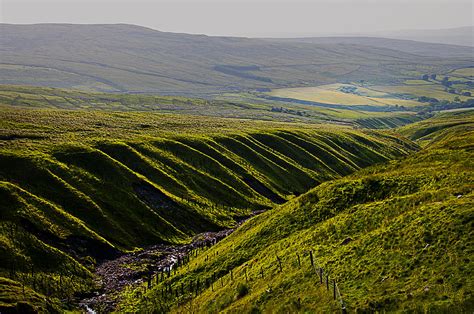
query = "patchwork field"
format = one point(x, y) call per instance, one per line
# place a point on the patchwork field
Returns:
point(344, 94)
point(464, 72)
point(241, 106)
point(426, 89)
point(455, 86)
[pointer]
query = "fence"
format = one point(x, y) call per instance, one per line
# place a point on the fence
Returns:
point(183, 293)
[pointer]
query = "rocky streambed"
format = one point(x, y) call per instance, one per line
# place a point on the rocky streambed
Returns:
point(132, 269)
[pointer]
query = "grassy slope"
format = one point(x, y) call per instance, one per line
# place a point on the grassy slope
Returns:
point(80, 186)
point(240, 107)
point(394, 236)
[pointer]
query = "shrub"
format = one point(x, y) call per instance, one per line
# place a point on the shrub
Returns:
point(242, 290)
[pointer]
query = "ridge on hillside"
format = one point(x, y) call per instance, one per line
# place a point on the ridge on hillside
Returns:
point(395, 237)
point(82, 187)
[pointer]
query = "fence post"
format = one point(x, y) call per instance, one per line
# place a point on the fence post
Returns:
point(261, 271)
point(327, 282)
point(311, 258)
point(320, 275)
point(279, 263)
point(299, 261)
point(334, 289)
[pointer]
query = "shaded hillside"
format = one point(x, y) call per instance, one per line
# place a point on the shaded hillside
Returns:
point(128, 58)
point(447, 124)
point(395, 237)
point(78, 187)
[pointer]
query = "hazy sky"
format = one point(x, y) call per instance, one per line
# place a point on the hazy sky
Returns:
point(248, 17)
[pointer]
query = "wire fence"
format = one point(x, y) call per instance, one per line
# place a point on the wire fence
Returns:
point(183, 293)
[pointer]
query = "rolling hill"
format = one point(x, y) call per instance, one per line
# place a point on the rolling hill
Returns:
point(256, 108)
point(133, 59)
point(463, 36)
point(78, 187)
point(394, 237)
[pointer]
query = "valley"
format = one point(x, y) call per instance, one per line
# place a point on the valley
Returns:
point(392, 236)
point(155, 172)
point(82, 187)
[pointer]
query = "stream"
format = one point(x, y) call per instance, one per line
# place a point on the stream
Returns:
point(132, 269)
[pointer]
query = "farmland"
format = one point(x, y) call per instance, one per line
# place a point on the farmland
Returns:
point(344, 94)
point(241, 106)
point(456, 85)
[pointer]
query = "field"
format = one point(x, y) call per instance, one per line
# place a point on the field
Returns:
point(334, 94)
point(241, 106)
point(418, 90)
point(394, 237)
point(464, 72)
point(370, 96)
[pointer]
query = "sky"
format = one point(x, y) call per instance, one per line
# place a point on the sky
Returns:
point(251, 18)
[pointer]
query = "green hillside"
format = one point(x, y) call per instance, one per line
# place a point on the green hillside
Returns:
point(241, 107)
point(395, 237)
point(78, 187)
point(129, 58)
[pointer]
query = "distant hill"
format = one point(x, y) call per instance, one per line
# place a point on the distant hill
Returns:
point(463, 36)
point(128, 58)
point(459, 36)
point(407, 46)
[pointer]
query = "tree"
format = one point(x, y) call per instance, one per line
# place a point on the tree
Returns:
point(446, 81)
point(433, 76)
point(425, 77)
